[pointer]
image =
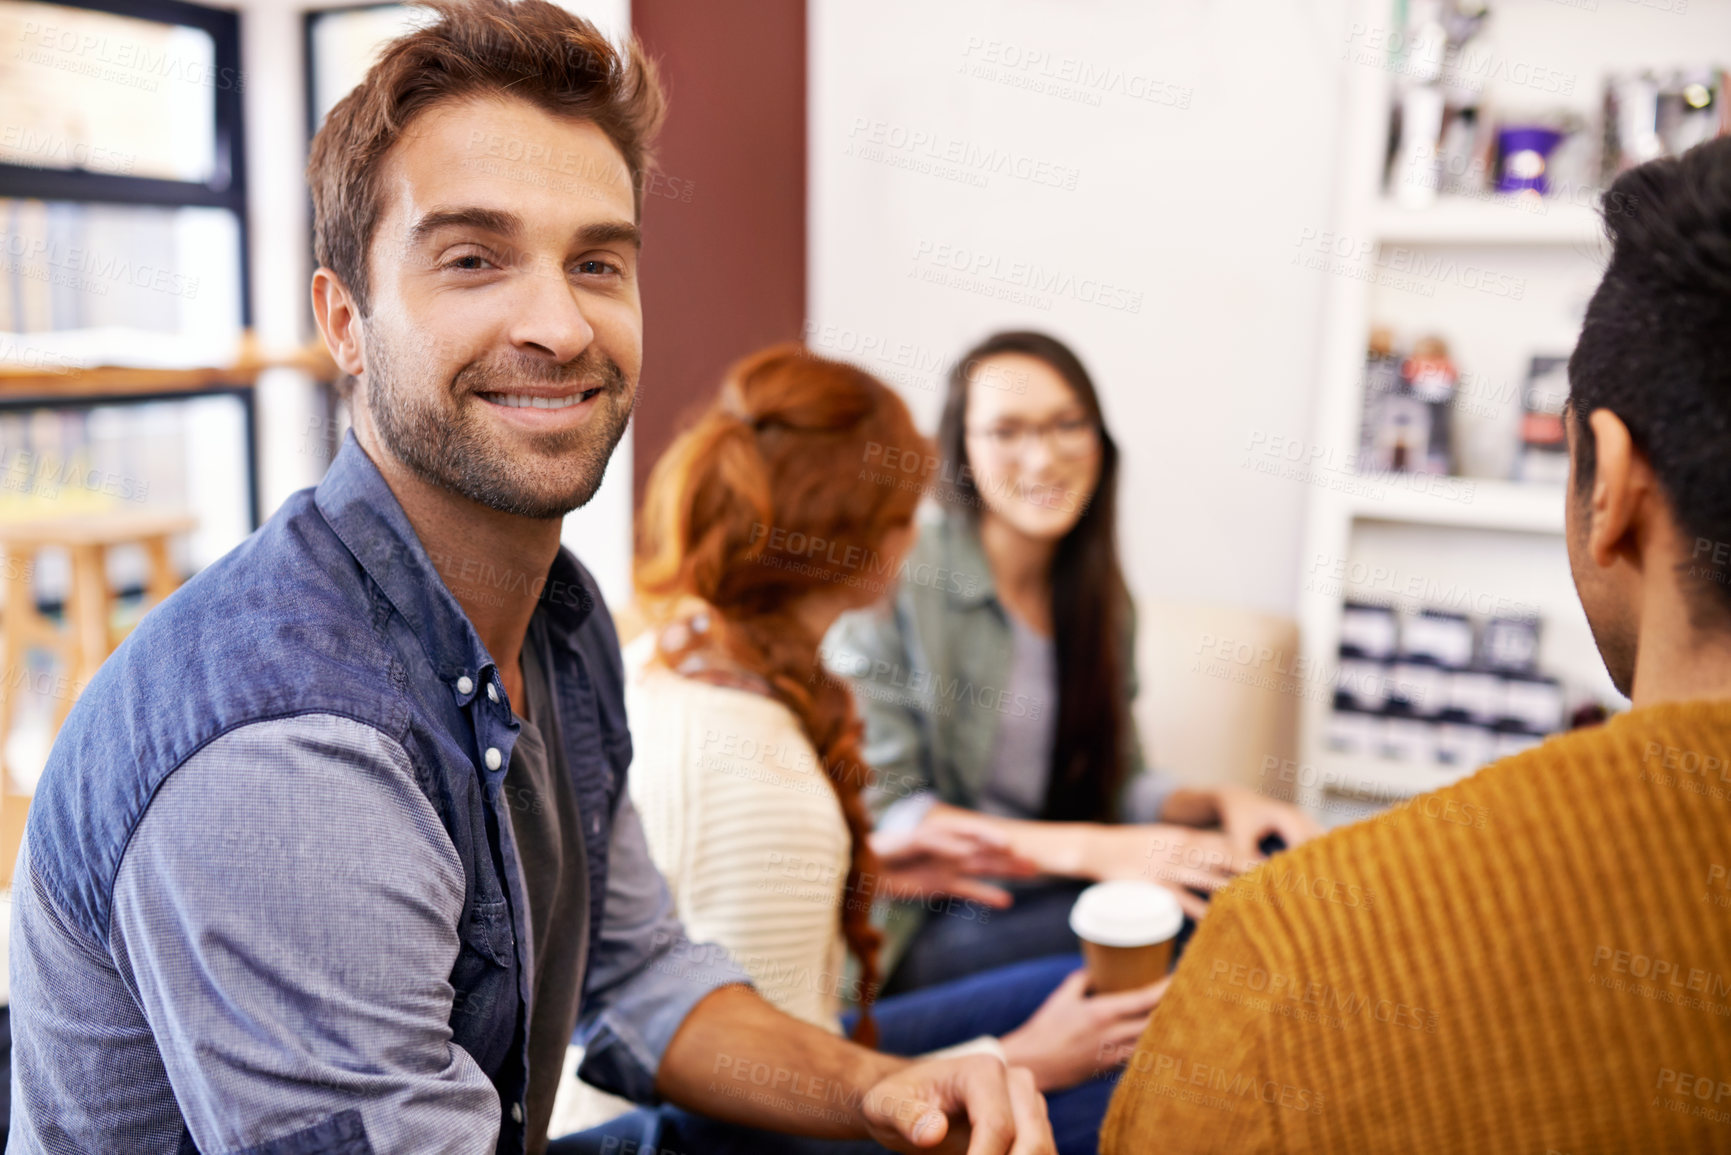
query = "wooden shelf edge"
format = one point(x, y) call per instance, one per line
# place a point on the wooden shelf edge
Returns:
point(123, 380)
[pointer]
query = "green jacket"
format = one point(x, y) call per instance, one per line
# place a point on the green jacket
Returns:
point(927, 669)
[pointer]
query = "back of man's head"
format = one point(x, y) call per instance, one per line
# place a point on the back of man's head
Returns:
point(1655, 348)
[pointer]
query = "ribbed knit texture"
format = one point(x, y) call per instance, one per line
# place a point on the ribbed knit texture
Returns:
point(1536, 959)
point(744, 825)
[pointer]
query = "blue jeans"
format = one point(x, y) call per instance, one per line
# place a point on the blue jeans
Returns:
point(992, 1003)
point(969, 939)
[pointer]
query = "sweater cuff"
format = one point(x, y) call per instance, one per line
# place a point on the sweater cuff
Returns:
point(984, 1045)
point(904, 814)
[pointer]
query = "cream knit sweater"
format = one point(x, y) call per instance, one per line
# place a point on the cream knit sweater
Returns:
point(745, 826)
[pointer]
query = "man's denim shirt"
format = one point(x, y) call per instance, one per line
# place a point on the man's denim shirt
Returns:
point(269, 900)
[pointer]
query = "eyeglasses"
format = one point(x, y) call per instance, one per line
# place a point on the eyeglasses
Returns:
point(1068, 437)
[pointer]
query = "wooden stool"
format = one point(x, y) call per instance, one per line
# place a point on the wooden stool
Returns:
point(86, 638)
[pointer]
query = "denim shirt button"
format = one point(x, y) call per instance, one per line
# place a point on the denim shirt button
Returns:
point(494, 758)
point(465, 684)
point(492, 694)
point(516, 1112)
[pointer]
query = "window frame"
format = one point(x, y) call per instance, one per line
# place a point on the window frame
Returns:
point(28, 182)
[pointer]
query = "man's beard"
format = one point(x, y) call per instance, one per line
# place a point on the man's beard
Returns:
point(440, 435)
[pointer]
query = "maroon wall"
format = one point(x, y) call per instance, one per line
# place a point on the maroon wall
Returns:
point(723, 268)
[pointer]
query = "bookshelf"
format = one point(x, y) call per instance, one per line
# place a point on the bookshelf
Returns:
point(1485, 541)
point(24, 390)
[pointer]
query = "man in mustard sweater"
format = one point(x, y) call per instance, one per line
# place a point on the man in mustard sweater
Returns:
point(1538, 958)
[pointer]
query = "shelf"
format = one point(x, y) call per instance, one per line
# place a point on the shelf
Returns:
point(111, 381)
point(1488, 221)
point(118, 381)
point(1468, 503)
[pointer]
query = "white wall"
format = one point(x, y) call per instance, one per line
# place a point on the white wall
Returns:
point(1190, 213)
point(275, 71)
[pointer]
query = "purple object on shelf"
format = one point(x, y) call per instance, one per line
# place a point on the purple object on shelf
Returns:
point(1524, 157)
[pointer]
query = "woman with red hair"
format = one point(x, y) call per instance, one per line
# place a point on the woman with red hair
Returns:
point(763, 523)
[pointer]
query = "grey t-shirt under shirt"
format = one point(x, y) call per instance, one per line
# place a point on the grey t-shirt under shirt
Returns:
point(1020, 767)
point(549, 834)
point(1021, 764)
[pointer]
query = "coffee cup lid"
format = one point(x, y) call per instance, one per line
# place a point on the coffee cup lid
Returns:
point(1126, 912)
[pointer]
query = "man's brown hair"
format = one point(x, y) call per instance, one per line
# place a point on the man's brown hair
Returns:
point(528, 49)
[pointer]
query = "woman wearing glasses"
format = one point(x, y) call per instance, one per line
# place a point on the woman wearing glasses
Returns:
point(757, 530)
point(996, 686)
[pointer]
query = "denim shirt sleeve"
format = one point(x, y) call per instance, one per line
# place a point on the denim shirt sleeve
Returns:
point(286, 917)
point(646, 975)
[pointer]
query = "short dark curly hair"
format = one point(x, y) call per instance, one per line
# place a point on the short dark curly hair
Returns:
point(1656, 345)
point(529, 49)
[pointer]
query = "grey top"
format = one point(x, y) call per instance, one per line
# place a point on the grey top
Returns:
point(556, 879)
point(1020, 767)
point(1021, 764)
point(285, 922)
point(928, 670)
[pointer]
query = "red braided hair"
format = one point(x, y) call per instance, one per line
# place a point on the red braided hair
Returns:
point(762, 503)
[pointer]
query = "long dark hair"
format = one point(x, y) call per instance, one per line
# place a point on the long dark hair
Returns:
point(1090, 601)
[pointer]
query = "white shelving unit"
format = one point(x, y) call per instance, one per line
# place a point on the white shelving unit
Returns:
point(1501, 220)
point(1486, 543)
point(1499, 505)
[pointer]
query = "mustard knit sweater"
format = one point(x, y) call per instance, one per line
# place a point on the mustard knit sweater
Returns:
point(1536, 959)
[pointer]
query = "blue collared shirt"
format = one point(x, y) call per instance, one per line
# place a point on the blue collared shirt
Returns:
point(269, 874)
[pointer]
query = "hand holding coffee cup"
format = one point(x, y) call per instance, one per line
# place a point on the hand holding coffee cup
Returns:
point(1127, 929)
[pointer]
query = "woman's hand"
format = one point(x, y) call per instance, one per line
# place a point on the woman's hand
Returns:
point(949, 854)
point(1075, 1035)
point(1244, 817)
point(1181, 859)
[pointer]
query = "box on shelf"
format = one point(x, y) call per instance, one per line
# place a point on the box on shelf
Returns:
point(1407, 407)
point(1424, 692)
point(1368, 631)
point(1544, 455)
point(1648, 115)
point(1511, 644)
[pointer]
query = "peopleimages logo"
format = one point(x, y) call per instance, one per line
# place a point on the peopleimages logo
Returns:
point(884, 141)
point(1065, 77)
point(988, 269)
point(107, 58)
point(1277, 987)
point(836, 561)
point(88, 270)
point(1229, 1087)
point(1398, 266)
point(1468, 65)
point(55, 150)
point(1660, 979)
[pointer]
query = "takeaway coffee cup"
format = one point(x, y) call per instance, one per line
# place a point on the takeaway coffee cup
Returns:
point(1126, 928)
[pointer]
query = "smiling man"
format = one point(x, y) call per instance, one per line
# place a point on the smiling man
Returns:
point(334, 854)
